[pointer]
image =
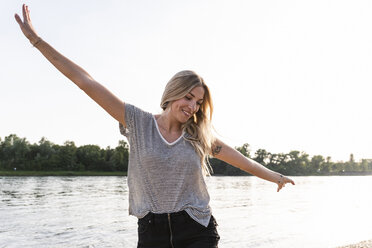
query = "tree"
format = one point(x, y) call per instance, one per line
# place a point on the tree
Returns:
point(14, 152)
point(364, 165)
point(65, 158)
point(350, 166)
point(326, 166)
point(316, 163)
point(41, 155)
point(244, 149)
point(120, 156)
point(298, 163)
point(278, 162)
point(261, 156)
point(18, 153)
point(91, 157)
point(222, 168)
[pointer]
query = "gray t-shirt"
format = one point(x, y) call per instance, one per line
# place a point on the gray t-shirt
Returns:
point(163, 177)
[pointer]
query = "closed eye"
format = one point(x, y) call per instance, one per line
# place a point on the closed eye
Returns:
point(189, 98)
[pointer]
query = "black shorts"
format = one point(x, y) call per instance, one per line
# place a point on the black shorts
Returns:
point(176, 230)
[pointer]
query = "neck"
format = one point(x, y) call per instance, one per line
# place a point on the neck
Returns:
point(169, 124)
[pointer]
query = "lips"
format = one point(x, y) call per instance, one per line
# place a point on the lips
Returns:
point(188, 114)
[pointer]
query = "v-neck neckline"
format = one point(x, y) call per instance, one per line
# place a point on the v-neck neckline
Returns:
point(162, 137)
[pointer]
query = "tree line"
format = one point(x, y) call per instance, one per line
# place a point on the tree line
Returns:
point(296, 163)
point(16, 152)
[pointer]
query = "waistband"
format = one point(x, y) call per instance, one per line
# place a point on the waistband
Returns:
point(164, 216)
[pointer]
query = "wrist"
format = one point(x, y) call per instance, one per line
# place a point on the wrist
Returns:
point(35, 41)
point(280, 179)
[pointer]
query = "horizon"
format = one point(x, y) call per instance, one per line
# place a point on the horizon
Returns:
point(251, 152)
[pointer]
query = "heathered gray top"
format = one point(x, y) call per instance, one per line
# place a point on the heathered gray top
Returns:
point(163, 177)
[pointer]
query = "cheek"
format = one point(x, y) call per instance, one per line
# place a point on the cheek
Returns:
point(179, 104)
point(176, 106)
point(183, 102)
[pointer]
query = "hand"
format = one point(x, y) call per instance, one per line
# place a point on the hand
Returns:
point(26, 25)
point(283, 180)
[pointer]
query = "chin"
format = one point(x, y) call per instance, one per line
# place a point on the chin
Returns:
point(184, 120)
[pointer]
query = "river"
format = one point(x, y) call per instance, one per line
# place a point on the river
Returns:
point(318, 212)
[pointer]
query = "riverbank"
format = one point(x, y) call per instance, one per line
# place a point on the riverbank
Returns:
point(20, 173)
point(363, 244)
point(61, 173)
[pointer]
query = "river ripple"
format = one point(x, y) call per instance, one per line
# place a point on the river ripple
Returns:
point(93, 212)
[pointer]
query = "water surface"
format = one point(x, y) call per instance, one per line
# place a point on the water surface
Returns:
point(93, 212)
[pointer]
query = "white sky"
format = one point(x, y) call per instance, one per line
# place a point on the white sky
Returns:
point(284, 75)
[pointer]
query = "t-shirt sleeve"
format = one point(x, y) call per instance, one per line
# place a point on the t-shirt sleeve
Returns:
point(134, 117)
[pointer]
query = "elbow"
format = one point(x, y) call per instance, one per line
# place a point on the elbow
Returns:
point(85, 84)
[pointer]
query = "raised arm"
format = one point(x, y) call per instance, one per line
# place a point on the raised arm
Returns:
point(108, 101)
point(235, 158)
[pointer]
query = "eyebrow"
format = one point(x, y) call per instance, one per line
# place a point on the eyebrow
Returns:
point(194, 96)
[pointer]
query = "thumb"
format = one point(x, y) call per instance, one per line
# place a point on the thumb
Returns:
point(18, 19)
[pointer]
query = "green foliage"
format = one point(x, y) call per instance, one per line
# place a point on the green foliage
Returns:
point(120, 155)
point(244, 149)
point(294, 163)
point(262, 156)
point(14, 152)
point(222, 168)
point(45, 156)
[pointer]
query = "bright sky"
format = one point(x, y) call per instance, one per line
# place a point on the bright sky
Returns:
point(284, 75)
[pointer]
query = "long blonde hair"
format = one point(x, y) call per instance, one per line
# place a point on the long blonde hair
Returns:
point(198, 130)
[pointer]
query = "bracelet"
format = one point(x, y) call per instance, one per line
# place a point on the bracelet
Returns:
point(280, 180)
point(36, 42)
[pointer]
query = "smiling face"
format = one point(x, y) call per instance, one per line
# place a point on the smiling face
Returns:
point(183, 109)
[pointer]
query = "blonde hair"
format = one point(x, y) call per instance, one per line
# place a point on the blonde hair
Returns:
point(198, 130)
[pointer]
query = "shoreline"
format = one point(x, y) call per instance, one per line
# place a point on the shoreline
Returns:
point(363, 244)
point(22, 173)
point(60, 173)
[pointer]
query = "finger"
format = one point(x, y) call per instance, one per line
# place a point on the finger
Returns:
point(28, 14)
point(24, 12)
point(18, 19)
point(279, 187)
point(288, 180)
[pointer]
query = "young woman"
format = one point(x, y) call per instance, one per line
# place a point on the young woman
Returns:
point(168, 153)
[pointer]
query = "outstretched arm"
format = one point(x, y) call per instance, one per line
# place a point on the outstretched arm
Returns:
point(108, 101)
point(235, 158)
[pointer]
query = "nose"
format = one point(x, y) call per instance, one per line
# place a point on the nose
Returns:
point(193, 107)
